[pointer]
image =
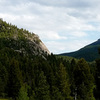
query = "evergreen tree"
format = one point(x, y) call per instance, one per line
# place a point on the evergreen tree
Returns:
point(97, 78)
point(15, 79)
point(42, 89)
point(23, 95)
point(33, 96)
point(3, 79)
point(63, 82)
point(72, 80)
point(56, 94)
point(84, 81)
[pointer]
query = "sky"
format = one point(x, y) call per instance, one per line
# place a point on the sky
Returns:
point(63, 25)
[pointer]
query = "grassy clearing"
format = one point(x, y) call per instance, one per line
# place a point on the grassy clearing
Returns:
point(4, 99)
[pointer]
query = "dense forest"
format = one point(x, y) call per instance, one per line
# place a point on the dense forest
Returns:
point(34, 78)
point(24, 76)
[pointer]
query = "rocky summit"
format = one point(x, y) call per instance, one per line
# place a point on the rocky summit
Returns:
point(21, 40)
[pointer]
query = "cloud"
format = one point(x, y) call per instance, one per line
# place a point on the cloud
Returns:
point(61, 47)
point(56, 22)
point(50, 35)
point(67, 3)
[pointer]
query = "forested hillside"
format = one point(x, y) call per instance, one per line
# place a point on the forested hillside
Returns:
point(34, 78)
point(89, 52)
point(28, 72)
point(21, 40)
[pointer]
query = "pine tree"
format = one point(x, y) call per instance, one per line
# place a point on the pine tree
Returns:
point(97, 78)
point(33, 96)
point(56, 94)
point(3, 79)
point(15, 79)
point(84, 81)
point(63, 82)
point(42, 90)
point(72, 80)
point(23, 95)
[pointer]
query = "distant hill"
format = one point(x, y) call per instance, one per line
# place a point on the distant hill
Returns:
point(89, 52)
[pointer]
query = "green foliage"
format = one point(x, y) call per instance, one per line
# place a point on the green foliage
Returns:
point(84, 81)
point(97, 78)
point(3, 80)
point(25, 76)
point(32, 97)
point(4, 99)
point(14, 81)
point(89, 52)
point(63, 81)
point(51, 79)
point(23, 95)
point(67, 58)
point(56, 94)
point(42, 90)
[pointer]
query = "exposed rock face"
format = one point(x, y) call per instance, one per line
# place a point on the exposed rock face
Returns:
point(21, 40)
point(29, 46)
point(37, 44)
point(44, 48)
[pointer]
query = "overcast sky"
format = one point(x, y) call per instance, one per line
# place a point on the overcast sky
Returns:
point(63, 25)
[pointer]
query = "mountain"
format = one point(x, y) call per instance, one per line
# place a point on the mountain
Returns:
point(29, 72)
point(89, 52)
point(27, 69)
point(21, 40)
